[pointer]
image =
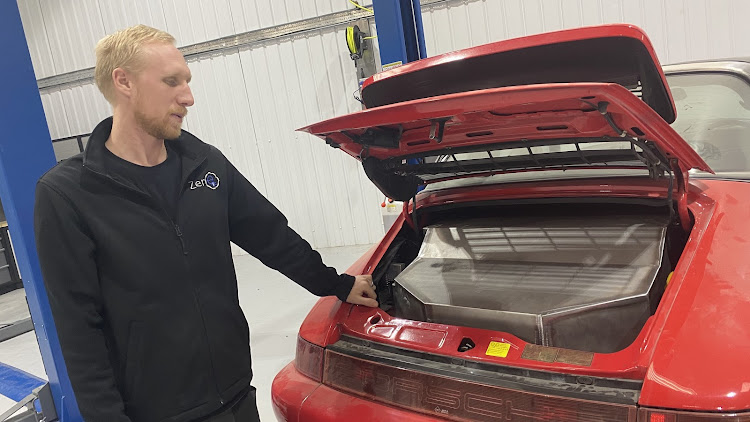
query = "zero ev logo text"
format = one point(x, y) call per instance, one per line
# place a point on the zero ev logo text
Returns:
point(210, 180)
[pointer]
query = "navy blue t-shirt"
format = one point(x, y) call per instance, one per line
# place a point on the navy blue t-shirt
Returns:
point(161, 181)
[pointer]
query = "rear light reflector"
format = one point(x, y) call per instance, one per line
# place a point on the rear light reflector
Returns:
point(654, 415)
point(309, 359)
point(460, 400)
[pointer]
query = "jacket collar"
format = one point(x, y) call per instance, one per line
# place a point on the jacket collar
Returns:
point(192, 152)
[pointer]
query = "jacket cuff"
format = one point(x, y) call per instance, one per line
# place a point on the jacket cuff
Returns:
point(344, 287)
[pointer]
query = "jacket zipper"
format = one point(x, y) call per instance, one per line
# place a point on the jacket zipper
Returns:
point(196, 300)
point(179, 234)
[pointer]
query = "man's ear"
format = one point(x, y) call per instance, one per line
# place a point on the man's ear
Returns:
point(123, 82)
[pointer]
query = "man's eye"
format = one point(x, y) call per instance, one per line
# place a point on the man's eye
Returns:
point(171, 82)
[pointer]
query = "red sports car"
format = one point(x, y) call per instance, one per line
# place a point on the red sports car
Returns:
point(574, 244)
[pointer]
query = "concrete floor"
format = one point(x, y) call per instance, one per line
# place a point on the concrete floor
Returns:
point(273, 305)
point(13, 307)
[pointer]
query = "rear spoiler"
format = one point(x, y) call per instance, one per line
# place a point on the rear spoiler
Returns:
point(619, 54)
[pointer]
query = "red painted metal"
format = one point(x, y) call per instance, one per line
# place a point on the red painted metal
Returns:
point(514, 113)
point(299, 399)
point(445, 339)
point(614, 187)
point(700, 360)
point(661, 415)
point(690, 354)
point(601, 31)
point(320, 325)
point(288, 391)
point(558, 168)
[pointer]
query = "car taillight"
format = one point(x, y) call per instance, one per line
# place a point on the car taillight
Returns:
point(655, 415)
point(309, 359)
point(460, 400)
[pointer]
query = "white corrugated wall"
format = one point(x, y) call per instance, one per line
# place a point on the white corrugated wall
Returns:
point(681, 30)
point(62, 33)
point(249, 101)
point(249, 104)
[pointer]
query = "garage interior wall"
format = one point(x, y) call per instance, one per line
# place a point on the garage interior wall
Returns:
point(250, 100)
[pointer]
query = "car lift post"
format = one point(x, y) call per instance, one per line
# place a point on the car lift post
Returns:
point(400, 33)
point(25, 154)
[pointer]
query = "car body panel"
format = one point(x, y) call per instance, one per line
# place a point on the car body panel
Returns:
point(700, 361)
point(684, 354)
point(522, 112)
point(300, 399)
point(289, 391)
point(615, 188)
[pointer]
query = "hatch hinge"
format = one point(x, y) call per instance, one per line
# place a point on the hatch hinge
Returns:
point(682, 191)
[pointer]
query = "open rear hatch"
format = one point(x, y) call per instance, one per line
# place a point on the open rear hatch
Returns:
point(584, 98)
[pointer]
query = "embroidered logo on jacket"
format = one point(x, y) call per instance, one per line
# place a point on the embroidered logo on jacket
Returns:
point(210, 180)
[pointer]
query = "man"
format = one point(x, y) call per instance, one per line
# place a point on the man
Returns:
point(134, 239)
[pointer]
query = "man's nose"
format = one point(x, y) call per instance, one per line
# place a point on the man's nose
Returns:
point(185, 98)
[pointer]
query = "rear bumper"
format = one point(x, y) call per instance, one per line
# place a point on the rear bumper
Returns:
point(297, 398)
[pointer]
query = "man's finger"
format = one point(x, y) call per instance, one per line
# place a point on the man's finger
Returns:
point(369, 292)
point(372, 303)
point(363, 292)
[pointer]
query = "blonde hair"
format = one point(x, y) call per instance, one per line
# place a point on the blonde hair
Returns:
point(123, 49)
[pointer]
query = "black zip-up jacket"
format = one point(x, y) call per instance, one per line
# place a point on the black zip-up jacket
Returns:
point(146, 306)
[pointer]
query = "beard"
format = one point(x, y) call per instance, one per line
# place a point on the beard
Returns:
point(161, 127)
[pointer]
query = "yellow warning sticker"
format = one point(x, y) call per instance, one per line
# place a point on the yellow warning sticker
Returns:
point(390, 66)
point(498, 349)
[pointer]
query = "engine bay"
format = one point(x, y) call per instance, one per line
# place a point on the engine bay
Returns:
point(575, 276)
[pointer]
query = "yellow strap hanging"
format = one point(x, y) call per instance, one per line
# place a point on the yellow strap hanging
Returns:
point(361, 7)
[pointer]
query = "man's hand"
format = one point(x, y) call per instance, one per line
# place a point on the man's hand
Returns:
point(363, 292)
